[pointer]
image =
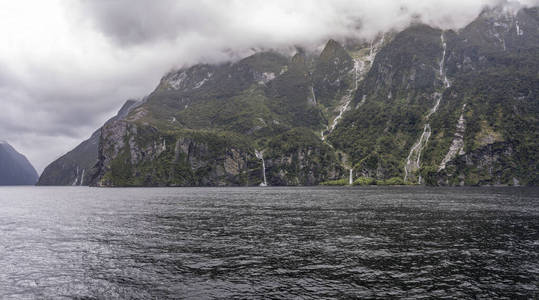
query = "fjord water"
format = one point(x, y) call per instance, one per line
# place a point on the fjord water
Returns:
point(202, 243)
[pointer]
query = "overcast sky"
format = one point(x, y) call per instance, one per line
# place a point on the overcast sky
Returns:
point(66, 66)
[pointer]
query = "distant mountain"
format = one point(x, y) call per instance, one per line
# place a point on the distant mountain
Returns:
point(15, 169)
point(420, 106)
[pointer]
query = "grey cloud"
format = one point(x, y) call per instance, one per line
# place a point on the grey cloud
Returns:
point(130, 22)
point(260, 23)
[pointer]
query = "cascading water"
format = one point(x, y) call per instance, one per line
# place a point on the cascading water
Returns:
point(438, 99)
point(361, 66)
point(417, 148)
point(313, 94)
point(76, 177)
point(260, 156)
point(413, 161)
point(82, 177)
point(457, 145)
point(519, 31)
point(447, 84)
point(358, 68)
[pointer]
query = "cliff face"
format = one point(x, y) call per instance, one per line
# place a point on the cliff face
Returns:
point(499, 163)
point(77, 166)
point(15, 169)
point(418, 106)
point(140, 155)
point(434, 98)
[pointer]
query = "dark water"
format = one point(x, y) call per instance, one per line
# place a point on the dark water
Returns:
point(269, 243)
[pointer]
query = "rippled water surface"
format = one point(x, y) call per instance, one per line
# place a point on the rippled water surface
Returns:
point(203, 243)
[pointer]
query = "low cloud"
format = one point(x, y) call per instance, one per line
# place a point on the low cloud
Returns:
point(67, 66)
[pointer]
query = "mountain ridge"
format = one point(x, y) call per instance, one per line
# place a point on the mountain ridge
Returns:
point(399, 107)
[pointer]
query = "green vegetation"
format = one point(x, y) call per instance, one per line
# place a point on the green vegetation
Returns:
point(216, 118)
point(365, 181)
point(339, 182)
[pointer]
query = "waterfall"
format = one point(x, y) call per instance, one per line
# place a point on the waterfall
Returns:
point(314, 95)
point(342, 109)
point(260, 156)
point(457, 145)
point(82, 177)
point(438, 97)
point(413, 161)
point(359, 66)
point(519, 32)
point(375, 47)
point(76, 177)
point(351, 179)
point(447, 84)
point(442, 61)
point(426, 134)
point(417, 148)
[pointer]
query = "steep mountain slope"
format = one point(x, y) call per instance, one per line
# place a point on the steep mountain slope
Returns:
point(205, 126)
point(15, 169)
point(76, 166)
point(419, 106)
point(451, 107)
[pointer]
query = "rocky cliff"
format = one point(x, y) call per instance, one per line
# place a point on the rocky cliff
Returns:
point(77, 166)
point(418, 106)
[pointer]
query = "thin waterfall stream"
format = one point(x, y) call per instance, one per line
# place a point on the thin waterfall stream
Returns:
point(413, 161)
point(260, 156)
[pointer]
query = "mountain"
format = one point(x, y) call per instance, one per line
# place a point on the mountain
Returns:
point(451, 108)
point(76, 167)
point(15, 169)
point(420, 106)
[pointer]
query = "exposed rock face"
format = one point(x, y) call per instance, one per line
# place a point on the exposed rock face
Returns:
point(331, 72)
point(457, 145)
point(70, 168)
point(15, 169)
point(420, 106)
point(137, 155)
point(76, 166)
point(493, 164)
point(408, 104)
